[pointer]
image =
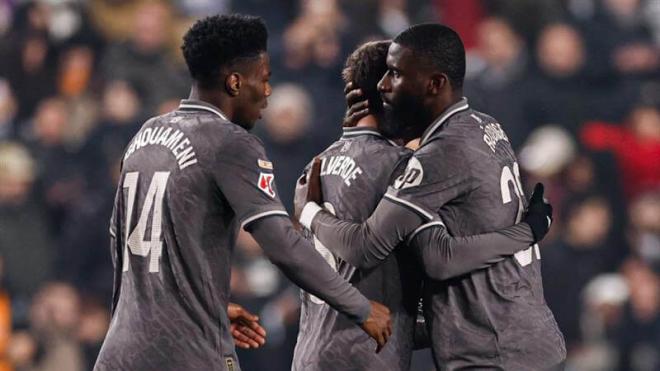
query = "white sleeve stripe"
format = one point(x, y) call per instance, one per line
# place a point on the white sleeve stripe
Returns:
point(423, 227)
point(262, 215)
point(410, 205)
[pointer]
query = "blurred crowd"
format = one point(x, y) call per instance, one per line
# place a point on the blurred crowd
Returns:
point(575, 84)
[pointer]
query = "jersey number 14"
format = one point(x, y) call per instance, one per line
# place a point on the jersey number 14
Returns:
point(153, 204)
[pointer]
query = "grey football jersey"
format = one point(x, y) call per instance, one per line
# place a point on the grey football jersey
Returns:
point(190, 179)
point(466, 171)
point(355, 173)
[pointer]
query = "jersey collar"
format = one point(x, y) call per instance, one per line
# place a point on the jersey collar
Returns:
point(459, 106)
point(359, 130)
point(198, 105)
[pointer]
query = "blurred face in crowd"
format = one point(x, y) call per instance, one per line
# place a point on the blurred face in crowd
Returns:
point(498, 43)
point(34, 54)
point(55, 308)
point(644, 287)
point(151, 24)
point(403, 90)
point(75, 70)
point(560, 50)
point(120, 102)
point(254, 90)
point(589, 223)
point(288, 113)
point(50, 121)
point(622, 8)
point(16, 173)
point(645, 123)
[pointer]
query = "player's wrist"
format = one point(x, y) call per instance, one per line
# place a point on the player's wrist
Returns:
point(308, 213)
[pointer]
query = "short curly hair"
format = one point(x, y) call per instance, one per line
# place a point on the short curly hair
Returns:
point(221, 40)
point(440, 46)
point(365, 67)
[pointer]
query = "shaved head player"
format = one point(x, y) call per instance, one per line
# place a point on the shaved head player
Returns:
point(465, 171)
point(189, 180)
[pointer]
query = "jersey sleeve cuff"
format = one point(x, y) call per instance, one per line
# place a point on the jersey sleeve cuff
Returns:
point(258, 216)
point(308, 213)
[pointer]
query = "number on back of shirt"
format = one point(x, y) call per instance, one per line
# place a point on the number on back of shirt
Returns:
point(153, 206)
point(511, 179)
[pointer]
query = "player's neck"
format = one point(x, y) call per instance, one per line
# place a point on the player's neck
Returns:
point(442, 104)
point(368, 121)
point(212, 97)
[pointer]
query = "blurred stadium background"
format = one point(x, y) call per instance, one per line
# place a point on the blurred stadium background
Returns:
point(575, 83)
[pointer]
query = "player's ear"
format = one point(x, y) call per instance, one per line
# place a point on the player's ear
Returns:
point(437, 82)
point(233, 84)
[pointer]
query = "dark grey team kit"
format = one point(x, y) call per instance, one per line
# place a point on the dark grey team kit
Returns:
point(355, 173)
point(466, 172)
point(189, 180)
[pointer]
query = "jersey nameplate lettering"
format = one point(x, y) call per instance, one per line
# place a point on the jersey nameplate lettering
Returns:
point(343, 166)
point(178, 144)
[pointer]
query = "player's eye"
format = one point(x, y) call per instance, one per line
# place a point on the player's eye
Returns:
point(394, 73)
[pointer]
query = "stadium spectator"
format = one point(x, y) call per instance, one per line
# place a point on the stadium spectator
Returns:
point(25, 242)
point(76, 67)
point(54, 316)
point(287, 123)
point(143, 60)
point(638, 334)
point(557, 93)
point(60, 181)
point(636, 147)
point(496, 87)
point(581, 253)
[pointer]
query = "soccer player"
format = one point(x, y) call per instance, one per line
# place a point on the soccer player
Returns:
point(356, 171)
point(189, 180)
point(466, 171)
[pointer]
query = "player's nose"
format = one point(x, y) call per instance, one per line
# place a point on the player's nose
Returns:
point(384, 84)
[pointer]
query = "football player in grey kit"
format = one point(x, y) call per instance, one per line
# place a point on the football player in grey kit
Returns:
point(189, 180)
point(465, 171)
point(355, 173)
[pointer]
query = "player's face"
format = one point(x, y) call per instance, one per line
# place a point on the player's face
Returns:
point(402, 90)
point(254, 91)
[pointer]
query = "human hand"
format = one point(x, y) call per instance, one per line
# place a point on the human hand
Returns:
point(378, 325)
point(539, 214)
point(245, 327)
point(358, 105)
point(314, 190)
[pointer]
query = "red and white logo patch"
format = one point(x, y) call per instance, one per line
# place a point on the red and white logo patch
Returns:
point(265, 184)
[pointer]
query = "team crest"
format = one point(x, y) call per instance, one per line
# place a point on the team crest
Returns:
point(265, 184)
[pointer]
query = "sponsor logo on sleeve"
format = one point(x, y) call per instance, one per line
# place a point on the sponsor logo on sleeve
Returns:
point(412, 177)
point(265, 184)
